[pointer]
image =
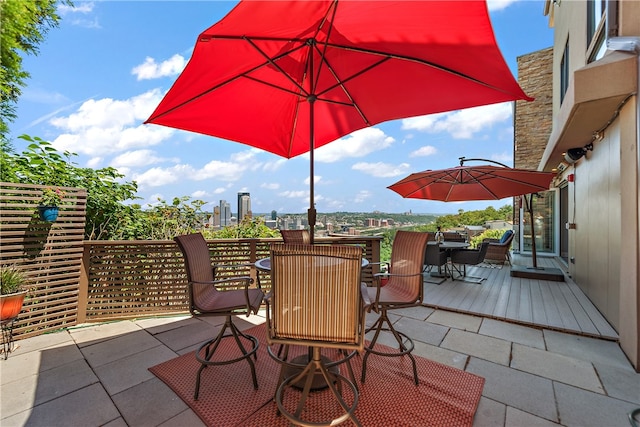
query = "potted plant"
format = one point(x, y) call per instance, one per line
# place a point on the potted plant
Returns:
point(49, 203)
point(13, 283)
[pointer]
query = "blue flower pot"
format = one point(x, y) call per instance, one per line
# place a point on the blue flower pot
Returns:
point(48, 213)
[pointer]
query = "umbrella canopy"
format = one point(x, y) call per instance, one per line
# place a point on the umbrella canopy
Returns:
point(483, 182)
point(466, 183)
point(291, 76)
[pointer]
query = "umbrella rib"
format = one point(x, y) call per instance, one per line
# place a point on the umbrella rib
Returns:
point(333, 9)
point(417, 60)
point(492, 174)
point(341, 84)
point(272, 62)
point(245, 74)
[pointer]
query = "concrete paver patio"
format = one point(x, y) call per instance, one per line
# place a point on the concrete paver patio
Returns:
point(97, 374)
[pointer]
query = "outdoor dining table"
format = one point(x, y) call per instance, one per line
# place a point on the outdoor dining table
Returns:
point(448, 247)
point(451, 245)
point(264, 264)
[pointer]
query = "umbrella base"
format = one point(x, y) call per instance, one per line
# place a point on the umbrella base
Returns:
point(539, 273)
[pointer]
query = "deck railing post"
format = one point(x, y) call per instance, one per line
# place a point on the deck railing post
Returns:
point(83, 288)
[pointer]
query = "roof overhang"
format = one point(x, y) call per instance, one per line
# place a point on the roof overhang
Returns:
point(589, 104)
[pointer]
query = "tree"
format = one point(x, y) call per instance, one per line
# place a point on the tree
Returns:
point(23, 26)
point(164, 221)
point(41, 164)
point(248, 228)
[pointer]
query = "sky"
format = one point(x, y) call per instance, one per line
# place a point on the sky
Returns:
point(101, 73)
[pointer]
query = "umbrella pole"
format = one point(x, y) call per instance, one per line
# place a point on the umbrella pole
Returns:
point(311, 213)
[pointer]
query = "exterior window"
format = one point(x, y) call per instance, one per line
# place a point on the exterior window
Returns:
point(564, 72)
point(595, 14)
point(596, 28)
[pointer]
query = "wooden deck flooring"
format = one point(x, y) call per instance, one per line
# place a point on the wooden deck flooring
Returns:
point(554, 305)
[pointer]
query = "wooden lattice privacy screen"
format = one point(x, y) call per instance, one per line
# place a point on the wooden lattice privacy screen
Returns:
point(128, 279)
point(49, 252)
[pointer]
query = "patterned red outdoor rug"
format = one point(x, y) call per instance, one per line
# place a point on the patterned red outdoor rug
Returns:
point(446, 396)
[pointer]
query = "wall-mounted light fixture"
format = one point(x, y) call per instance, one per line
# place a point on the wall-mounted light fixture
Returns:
point(574, 154)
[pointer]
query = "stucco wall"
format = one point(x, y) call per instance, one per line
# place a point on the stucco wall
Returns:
point(595, 243)
point(630, 231)
point(603, 200)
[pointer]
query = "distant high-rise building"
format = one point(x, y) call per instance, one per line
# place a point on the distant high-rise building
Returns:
point(271, 223)
point(225, 213)
point(244, 205)
point(274, 215)
point(216, 217)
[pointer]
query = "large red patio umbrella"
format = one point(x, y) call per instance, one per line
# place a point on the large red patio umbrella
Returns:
point(291, 76)
point(482, 182)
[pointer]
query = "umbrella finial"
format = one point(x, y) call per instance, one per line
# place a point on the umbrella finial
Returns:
point(461, 160)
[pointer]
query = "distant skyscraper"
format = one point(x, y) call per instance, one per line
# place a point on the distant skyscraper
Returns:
point(244, 205)
point(274, 215)
point(216, 216)
point(225, 213)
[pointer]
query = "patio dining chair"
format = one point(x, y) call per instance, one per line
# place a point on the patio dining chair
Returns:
point(451, 236)
point(434, 256)
point(498, 250)
point(301, 237)
point(316, 300)
point(464, 257)
point(404, 289)
point(226, 297)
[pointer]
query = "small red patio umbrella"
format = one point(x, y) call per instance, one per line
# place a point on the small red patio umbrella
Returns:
point(291, 76)
point(482, 182)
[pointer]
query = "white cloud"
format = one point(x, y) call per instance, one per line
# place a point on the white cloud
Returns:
point(86, 23)
point(219, 190)
point(42, 96)
point(362, 196)
point(294, 194)
point(462, 124)
point(499, 4)
point(503, 158)
point(157, 177)
point(149, 69)
point(358, 144)
point(381, 170)
point(95, 162)
point(154, 199)
point(224, 171)
point(335, 205)
point(108, 126)
point(270, 186)
point(81, 7)
point(77, 14)
point(316, 179)
point(273, 166)
point(199, 194)
point(427, 150)
point(136, 158)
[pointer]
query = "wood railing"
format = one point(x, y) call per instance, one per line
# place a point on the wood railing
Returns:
point(130, 279)
point(72, 281)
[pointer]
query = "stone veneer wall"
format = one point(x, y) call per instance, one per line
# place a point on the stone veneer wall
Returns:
point(532, 119)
